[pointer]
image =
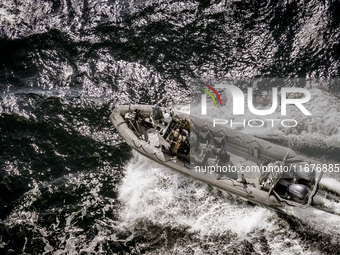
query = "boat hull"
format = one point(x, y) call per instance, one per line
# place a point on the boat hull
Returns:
point(238, 143)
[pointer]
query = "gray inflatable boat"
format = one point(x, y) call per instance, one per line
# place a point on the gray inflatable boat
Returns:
point(243, 165)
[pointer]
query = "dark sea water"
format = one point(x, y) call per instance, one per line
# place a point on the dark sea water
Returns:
point(70, 185)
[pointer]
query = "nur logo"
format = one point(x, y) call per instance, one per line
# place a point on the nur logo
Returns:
point(239, 100)
point(204, 97)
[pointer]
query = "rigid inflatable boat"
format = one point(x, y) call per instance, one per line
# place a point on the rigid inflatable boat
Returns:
point(240, 164)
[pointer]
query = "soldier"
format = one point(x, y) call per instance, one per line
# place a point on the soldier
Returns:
point(175, 142)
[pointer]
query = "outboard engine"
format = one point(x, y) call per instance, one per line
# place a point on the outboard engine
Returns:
point(304, 175)
point(298, 192)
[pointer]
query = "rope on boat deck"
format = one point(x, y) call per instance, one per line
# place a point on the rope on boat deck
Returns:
point(136, 145)
point(118, 125)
